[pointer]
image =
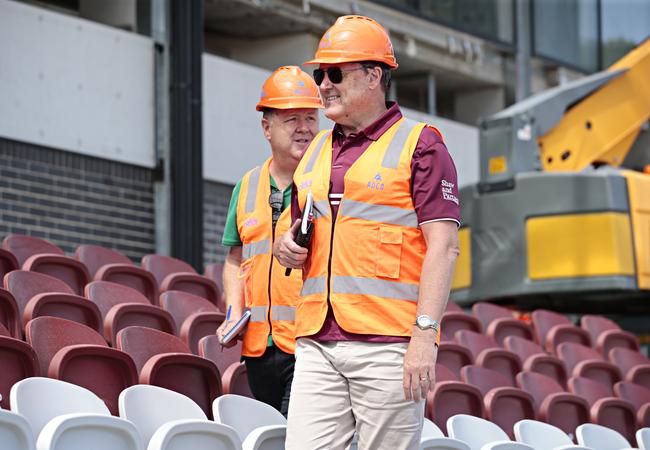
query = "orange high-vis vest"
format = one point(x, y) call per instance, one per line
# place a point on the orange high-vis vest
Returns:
point(270, 295)
point(369, 261)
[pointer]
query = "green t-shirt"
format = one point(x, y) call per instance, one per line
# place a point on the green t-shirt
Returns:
point(231, 233)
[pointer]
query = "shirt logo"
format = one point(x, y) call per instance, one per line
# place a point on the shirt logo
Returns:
point(251, 222)
point(376, 183)
point(447, 191)
point(305, 184)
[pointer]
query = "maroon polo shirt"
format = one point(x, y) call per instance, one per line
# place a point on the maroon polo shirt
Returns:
point(434, 190)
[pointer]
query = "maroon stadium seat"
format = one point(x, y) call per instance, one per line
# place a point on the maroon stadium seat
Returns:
point(210, 348)
point(487, 353)
point(449, 398)
point(122, 307)
point(554, 405)
point(3, 331)
point(505, 405)
point(535, 359)
point(444, 374)
point(454, 357)
point(77, 354)
point(175, 275)
point(17, 361)
point(498, 322)
point(551, 329)
point(605, 409)
point(9, 315)
point(453, 307)
point(606, 334)
point(214, 272)
point(8, 262)
point(634, 366)
point(639, 397)
point(66, 269)
point(22, 247)
point(454, 321)
point(235, 380)
point(195, 316)
point(586, 362)
point(164, 360)
point(105, 264)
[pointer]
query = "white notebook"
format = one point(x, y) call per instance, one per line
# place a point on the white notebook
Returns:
point(237, 328)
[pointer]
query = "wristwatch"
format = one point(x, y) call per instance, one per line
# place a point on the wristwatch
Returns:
point(425, 322)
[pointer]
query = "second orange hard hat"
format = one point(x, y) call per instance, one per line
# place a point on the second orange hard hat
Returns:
point(352, 39)
point(288, 88)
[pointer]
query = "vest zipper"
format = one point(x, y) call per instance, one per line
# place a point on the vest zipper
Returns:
point(268, 316)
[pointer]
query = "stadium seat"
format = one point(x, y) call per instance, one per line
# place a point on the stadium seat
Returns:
point(433, 439)
point(606, 334)
point(551, 329)
point(15, 432)
point(195, 316)
point(105, 264)
point(543, 436)
point(66, 269)
point(598, 437)
point(605, 409)
point(454, 321)
point(504, 404)
point(37, 295)
point(121, 306)
point(73, 352)
point(498, 322)
point(175, 275)
point(8, 262)
point(553, 405)
point(210, 348)
point(169, 420)
point(634, 366)
point(487, 353)
point(454, 357)
point(9, 315)
point(4, 332)
point(481, 434)
point(22, 247)
point(252, 420)
point(453, 307)
point(643, 438)
point(85, 431)
point(535, 359)
point(586, 362)
point(449, 398)
point(18, 361)
point(214, 272)
point(444, 374)
point(164, 360)
point(235, 380)
point(639, 397)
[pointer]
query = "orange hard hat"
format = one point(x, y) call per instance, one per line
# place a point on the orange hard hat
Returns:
point(288, 88)
point(355, 38)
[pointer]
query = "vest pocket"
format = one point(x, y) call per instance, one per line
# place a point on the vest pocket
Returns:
point(389, 252)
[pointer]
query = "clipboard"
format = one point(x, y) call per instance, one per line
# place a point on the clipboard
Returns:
point(303, 237)
point(237, 328)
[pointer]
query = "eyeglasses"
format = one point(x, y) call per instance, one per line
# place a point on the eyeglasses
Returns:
point(335, 74)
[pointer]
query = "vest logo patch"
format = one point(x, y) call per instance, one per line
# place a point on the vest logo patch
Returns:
point(251, 222)
point(447, 191)
point(376, 183)
point(305, 184)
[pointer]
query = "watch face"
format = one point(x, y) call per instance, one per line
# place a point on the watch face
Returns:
point(424, 322)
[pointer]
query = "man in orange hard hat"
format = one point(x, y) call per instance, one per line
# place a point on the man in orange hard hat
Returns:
point(378, 269)
point(257, 216)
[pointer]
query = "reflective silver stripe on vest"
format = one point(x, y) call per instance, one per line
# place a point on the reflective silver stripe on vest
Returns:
point(379, 213)
point(316, 285)
point(281, 312)
point(318, 148)
point(251, 195)
point(258, 314)
point(394, 150)
point(256, 248)
point(321, 209)
point(377, 288)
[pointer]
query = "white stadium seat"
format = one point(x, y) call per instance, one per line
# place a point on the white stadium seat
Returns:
point(543, 436)
point(480, 434)
point(434, 439)
point(15, 433)
point(643, 438)
point(599, 437)
point(194, 434)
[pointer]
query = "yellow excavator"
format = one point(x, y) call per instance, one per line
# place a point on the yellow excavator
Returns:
point(561, 213)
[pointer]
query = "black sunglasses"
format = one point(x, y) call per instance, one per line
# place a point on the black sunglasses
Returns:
point(335, 74)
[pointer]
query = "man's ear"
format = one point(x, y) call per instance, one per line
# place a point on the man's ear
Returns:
point(374, 74)
point(266, 128)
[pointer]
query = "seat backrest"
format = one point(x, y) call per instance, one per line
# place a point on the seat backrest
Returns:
point(47, 335)
point(454, 356)
point(523, 348)
point(540, 435)
point(633, 393)
point(3, 331)
point(17, 361)
point(453, 307)
point(23, 247)
point(210, 348)
point(161, 266)
point(150, 407)
point(8, 262)
point(24, 285)
point(487, 312)
point(599, 437)
point(444, 374)
point(183, 304)
point(475, 342)
point(590, 390)
point(643, 438)
point(625, 359)
point(142, 343)
point(538, 385)
point(484, 379)
point(597, 325)
point(106, 294)
point(474, 431)
point(15, 432)
point(573, 353)
point(544, 320)
point(9, 315)
point(245, 414)
point(40, 399)
point(454, 321)
point(95, 256)
point(430, 430)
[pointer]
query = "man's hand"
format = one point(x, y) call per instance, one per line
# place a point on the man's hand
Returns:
point(224, 327)
point(419, 365)
point(288, 253)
